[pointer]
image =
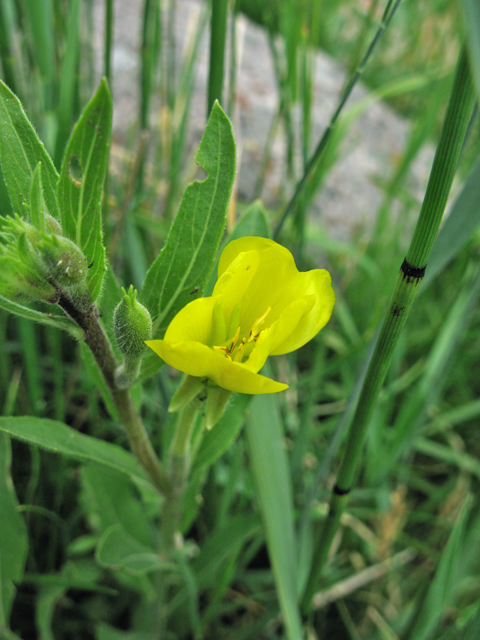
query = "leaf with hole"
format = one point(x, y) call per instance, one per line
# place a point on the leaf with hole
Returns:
point(180, 272)
point(81, 182)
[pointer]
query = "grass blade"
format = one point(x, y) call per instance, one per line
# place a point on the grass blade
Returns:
point(271, 472)
point(13, 535)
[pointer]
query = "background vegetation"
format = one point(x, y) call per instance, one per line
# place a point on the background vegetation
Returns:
point(404, 563)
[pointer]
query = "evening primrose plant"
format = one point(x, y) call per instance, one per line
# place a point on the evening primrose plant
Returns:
point(56, 272)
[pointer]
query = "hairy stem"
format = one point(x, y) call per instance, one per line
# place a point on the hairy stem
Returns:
point(101, 348)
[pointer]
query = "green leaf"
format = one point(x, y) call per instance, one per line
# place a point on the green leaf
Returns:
point(59, 322)
point(472, 22)
point(221, 545)
point(271, 473)
point(81, 181)
point(116, 549)
point(180, 272)
point(59, 438)
point(445, 582)
point(462, 221)
point(13, 535)
point(37, 203)
point(20, 152)
point(112, 499)
point(224, 433)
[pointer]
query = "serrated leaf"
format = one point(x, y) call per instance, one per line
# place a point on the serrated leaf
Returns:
point(116, 549)
point(59, 438)
point(180, 272)
point(13, 535)
point(81, 182)
point(59, 322)
point(20, 152)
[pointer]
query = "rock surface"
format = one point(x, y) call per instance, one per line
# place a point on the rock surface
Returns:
point(350, 195)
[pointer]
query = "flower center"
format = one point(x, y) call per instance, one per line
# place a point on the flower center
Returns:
point(234, 350)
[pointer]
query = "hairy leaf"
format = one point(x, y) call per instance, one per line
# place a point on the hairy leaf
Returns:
point(180, 272)
point(81, 182)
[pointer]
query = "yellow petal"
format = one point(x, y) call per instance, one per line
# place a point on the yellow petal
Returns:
point(316, 284)
point(199, 360)
point(193, 323)
point(277, 284)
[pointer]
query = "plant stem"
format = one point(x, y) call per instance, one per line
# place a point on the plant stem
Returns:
point(459, 111)
point(178, 469)
point(218, 33)
point(101, 348)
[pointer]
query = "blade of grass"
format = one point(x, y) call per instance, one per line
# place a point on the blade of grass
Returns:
point(472, 25)
point(68, 81)
point(7, 26)
point(107, 51)
point(218, 36)
point(386, 19)
point(32, 366)
point(461, 104)
point(271, 472)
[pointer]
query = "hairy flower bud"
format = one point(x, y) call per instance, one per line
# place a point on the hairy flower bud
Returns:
point(132, 325)
point(64, 261)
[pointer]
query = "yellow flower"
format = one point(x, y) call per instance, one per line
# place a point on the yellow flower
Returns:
point(260, 306)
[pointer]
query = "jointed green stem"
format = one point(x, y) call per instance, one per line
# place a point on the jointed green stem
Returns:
point(460, 108)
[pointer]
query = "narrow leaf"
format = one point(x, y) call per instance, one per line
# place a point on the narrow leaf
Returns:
point(270, 470)
point(472, 24)
point(180, 272)
point(20, 152)
point(13, 535)
point(81, 181)
point(59, 322)
point(59, 438)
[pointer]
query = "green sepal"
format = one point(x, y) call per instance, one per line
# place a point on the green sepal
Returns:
point(187, 391)
point(216, 403)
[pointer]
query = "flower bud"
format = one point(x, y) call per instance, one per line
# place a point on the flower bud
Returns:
point(132, 325)
point(65, 263)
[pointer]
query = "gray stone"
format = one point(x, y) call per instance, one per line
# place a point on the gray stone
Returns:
point(351, 193)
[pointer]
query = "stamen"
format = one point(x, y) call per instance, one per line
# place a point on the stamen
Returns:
point(253, 332)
